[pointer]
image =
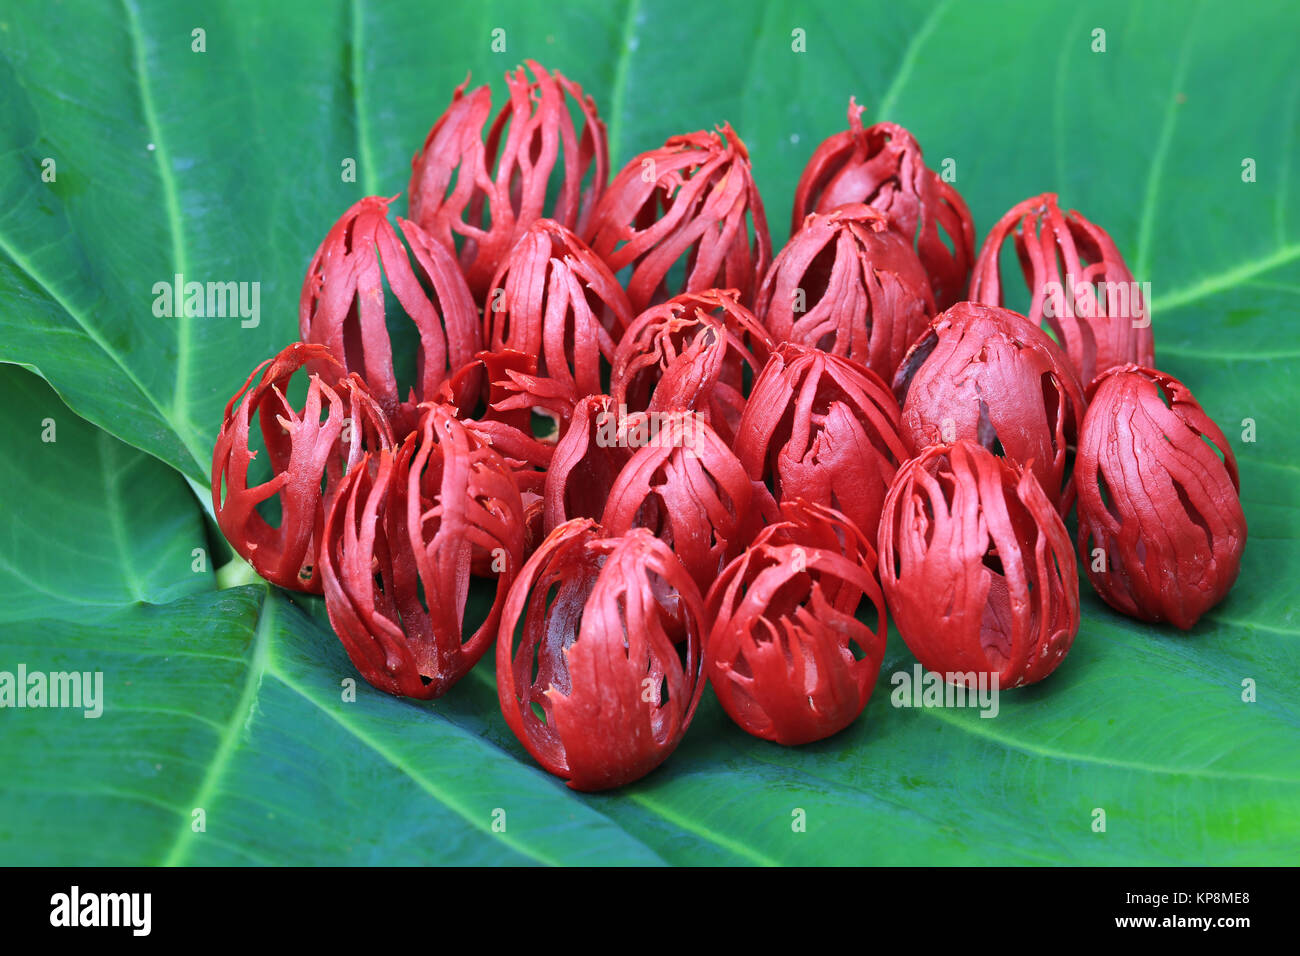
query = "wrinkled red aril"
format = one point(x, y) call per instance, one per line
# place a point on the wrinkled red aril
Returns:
point(985, 374)
point(848, 284)
point(400, 541)
point(342, 305)
point(586, 463)
point(553, 298)
point(589, 671)
point(1097, 331)
point(691, 353)
point(1161, 528)
point(307, 455)
point(488, 194)
point(692, 201)
point(787, 656)
point(977, 567)
point(882, 166)
point(822, 428)
point(686, 485)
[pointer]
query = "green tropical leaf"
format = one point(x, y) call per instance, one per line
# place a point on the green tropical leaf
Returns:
point(225, 166)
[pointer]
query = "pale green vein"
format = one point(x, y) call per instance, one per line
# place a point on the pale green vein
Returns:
point(230, 737)
point(132, 796)
point(1252, 625)
point(618, 92)
point(908, 62)
point(38, 586)
point(690, 826)
point(1220, 355)
point(171, 205)
point(79, 791)
point(424, 783)
point(113, 504)
point(369, 175)
point(97, 337)
point(173, 714)
point(1223, 281)
point(974, 726)
point(1155, 172)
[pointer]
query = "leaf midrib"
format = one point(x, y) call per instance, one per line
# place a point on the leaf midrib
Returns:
point(261, 665)
point(229, 739)
point(171, 206)
point(1052, 753)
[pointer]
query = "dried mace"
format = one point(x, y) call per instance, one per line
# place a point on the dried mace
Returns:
point(850, 285)
point(1161, 528)
point(307, 457)
point(987, 375)
point(693, 200)
point(485, 195)
point(788, 657)
point(1094, 308)
point(400, 541)
point(882, 166)
point(977, 567)
point(590, 675)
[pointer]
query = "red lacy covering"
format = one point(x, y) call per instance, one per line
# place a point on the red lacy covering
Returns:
point(882, 167)
point(304, 452)
point(1097, 332)
point(1156, 499)
point(694, 198)
point(399, 544)
point(977, 567)
point(598, 619)
point(506, 179)
point(984, 374)
point(850, 285)
point(787, 656)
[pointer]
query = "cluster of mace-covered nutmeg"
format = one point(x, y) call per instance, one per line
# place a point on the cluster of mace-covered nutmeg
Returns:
point(672, 459)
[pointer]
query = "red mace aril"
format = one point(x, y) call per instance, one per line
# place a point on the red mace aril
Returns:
point(399, 542)
point(787, 656)
point(686, 485)
point(342, 304)
point(693, 199)
point(848, 284)
point(1161, 529)
point(589, 673)
point(985, 374)
point(822, 428)
point(977, 567)
point(304, 451)
point(503, 418)
point(488, 194)
point(1095, 309)
point(555, 299)
point(882, 167)
point(504, 421)
point(691, 353)
point(587, 461)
